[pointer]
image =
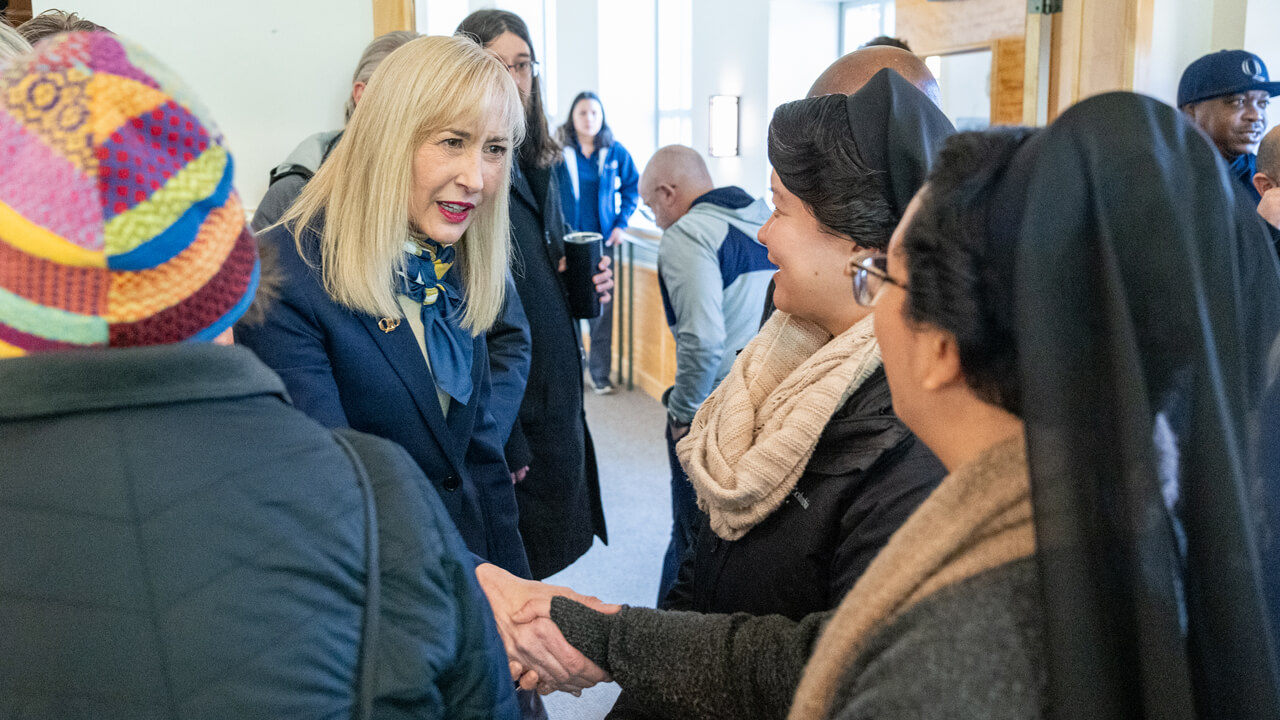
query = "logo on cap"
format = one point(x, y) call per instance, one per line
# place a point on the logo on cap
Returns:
point(1253, 68)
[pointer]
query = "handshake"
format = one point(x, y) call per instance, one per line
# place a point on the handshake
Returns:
point(537, 654)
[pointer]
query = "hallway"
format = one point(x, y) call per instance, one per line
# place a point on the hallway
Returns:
point(627, 430)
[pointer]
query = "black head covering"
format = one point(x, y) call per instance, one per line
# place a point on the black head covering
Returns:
point(898, 131)
point(1147, 300)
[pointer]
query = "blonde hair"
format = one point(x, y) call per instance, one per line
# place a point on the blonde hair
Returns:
point(362, 190)
point(12, 43)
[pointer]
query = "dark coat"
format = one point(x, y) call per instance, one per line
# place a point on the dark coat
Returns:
point(867, 474)
point(344, 371)
point(559, 500)
point(180, 543)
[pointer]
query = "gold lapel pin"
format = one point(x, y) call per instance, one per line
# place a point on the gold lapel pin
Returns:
point(388, 324)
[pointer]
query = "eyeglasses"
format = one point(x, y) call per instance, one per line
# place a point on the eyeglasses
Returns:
point(524, 68)
point(869, 277)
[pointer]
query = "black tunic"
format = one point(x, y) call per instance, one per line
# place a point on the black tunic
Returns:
point(559, 499)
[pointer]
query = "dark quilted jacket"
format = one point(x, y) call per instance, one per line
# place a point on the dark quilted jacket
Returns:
point(176, 541)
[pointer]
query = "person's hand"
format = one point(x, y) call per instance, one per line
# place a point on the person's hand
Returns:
point(540, 607)
point(615, 238)
point(519, 475)
point(1269, 208)
point(536, 645)
point(678, 429)
point(604, 280)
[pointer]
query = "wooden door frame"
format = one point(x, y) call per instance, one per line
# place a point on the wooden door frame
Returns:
point(17, 12)
point(390, 15)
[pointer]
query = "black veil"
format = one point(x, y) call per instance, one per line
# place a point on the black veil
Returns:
point(1147, 303)
point(898, 131)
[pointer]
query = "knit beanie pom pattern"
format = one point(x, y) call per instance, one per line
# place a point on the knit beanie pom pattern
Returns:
point(118, 222)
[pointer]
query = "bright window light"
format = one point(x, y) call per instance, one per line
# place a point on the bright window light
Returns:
point(723, 133)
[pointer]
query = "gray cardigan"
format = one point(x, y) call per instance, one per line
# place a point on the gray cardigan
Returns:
point(970, 650)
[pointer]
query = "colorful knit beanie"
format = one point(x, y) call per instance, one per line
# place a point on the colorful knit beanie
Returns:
point(118, 223)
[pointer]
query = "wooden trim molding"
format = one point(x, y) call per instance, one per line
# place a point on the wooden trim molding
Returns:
point(390, 15)
point(17, 11)
point(1098, 46)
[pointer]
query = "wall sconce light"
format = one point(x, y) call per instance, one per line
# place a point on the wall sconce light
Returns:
point(723, 135)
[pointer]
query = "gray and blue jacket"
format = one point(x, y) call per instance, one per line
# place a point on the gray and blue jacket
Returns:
point(713, 273)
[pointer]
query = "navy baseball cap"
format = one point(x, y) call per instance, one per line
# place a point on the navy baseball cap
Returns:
point(1225, 72)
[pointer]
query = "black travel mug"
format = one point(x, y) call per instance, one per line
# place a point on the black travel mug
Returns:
point(582, 252)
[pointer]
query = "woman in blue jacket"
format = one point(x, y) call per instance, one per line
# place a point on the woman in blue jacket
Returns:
point(394, 259)
point(599, 189)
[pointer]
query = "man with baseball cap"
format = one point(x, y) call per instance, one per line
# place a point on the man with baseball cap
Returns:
point(1226, 94)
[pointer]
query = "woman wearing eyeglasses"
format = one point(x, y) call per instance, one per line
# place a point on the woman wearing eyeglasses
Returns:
point(549, 452)
point(599, 189)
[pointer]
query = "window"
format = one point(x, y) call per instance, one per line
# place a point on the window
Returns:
point(964, 80)
point(863, 20)
point(675, 72)
point(439, 17)
point(626, 73)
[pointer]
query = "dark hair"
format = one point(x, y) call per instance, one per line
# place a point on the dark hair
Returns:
point(539, 149)
point(567, 135)
point(270, 280)
point(811, 148)
point(886, 41)
point(52, 22)
point(959, 277)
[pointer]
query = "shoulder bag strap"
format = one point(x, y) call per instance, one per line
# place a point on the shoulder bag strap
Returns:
point(367, 680)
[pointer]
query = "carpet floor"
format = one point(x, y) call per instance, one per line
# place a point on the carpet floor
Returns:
point(635, 485)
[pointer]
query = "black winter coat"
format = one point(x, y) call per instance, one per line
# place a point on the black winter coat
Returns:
point(559, 499)
point(867, 474)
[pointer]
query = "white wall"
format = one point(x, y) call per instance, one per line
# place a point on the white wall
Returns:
point(804, 38)
point(1262, 33)
point(1182, 30)
point(270, 73)
point(577, 55)
point(731, 57)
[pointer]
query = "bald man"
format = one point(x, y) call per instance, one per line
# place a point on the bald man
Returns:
point(1267, 180)
point(848, 74)
point(713, 273)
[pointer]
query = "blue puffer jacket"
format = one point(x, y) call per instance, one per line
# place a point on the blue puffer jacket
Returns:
point(176, 541)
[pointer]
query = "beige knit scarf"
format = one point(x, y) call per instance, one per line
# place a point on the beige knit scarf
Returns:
point(977, 519)
point(753, 436)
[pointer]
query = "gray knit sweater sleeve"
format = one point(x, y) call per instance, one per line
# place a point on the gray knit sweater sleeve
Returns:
point(689, 665)
point(973, 650)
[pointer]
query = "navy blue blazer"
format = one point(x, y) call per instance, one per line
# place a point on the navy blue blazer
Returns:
point(343, 370)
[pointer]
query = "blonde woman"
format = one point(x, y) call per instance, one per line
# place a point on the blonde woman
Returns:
point(395, 256)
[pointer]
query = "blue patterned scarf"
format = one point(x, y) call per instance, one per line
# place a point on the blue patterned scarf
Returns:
point(449, 345)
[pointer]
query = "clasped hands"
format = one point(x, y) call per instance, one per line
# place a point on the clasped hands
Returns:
point(538, 656)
